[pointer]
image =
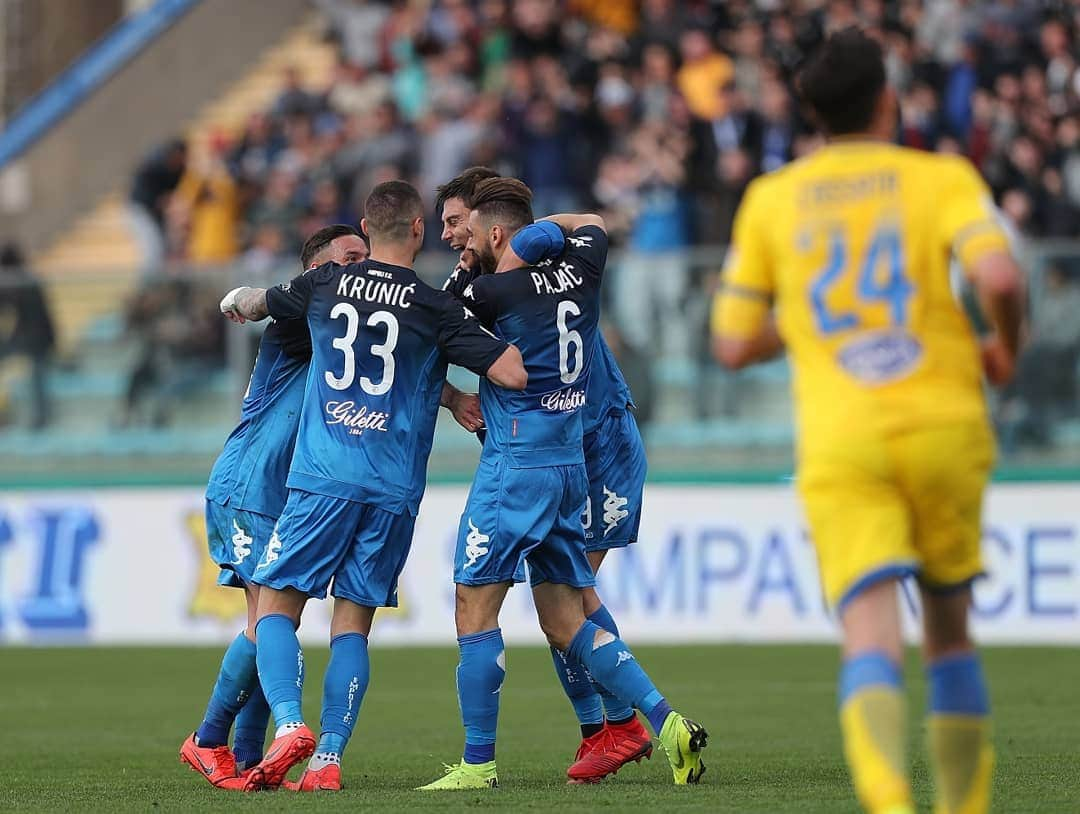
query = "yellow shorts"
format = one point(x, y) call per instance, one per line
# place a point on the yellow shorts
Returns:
point(905, 504)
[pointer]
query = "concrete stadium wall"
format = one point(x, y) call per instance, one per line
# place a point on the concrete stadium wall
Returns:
point(95, 149)
point(42, 37)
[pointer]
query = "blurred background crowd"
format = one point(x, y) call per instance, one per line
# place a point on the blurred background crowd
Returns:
point(656, 113)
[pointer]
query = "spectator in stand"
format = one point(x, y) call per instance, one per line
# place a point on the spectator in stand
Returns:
point(748, 45)
point(703, 73)
point(253, 157)
point(777, 127)
point(26, 328)
point(650, 283)
point(380, 140)
point(356, 90)
point(181, 342)
point(356, 25)
point(1068, 152)
point(664, 21)
point(279, 207)
point(656, 83)
point(547, 140)
point(493, 43)
point(294, 99)
point(155, 179)
point(206, 208)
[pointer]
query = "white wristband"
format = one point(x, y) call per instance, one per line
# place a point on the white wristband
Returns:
point(228, 302)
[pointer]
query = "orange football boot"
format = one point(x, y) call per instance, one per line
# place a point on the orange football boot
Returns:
point(328, 778)
point(609, 750)
point(284, 753)
point(216, 763)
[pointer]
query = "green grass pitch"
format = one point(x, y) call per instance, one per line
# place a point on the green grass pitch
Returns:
point(99, 729)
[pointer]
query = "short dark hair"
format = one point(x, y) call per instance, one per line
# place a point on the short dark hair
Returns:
point(390, 210)
point(463, 186)
point(323, 238)
point(506, 200)
point(842, 81)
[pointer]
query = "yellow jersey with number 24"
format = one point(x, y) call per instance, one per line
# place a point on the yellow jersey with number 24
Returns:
point(852, 246)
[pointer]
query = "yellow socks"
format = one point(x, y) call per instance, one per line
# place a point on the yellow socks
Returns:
point(874, 725)
point(958, 735)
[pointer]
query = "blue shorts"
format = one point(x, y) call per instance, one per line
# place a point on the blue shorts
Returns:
point(514, 516)
point(615, 461)
point(360, 547)
point(236, 540)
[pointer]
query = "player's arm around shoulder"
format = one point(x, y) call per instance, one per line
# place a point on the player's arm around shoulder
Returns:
point(466, 342)
point(571, 223)
point(586, 242)
point(245, 303)
point(508, 371)
point(742, 326)
point(286, 301)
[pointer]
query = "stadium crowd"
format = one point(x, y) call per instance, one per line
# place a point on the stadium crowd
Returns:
point(658, 115)
point(655, 113)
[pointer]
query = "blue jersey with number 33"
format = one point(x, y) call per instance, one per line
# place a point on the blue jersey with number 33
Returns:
point(381, 339)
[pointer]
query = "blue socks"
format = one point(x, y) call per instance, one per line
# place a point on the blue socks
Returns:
point(281, 667)
point(343, 689)
point(236, 679)
point(591, 701)
point(956, 686)
point(868, 669)
point(250, 732)
point(611, 663)
point(615, 709)
point(480, 676)
point(581, 692)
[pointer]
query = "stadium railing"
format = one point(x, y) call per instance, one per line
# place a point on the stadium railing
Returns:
point(74, 84)
point(145, 383)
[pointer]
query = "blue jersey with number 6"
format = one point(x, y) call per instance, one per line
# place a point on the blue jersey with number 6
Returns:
point(551, 314)
point(381, 339)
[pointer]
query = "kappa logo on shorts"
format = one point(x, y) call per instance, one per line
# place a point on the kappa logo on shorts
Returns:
point(624, 655)
point(273, 550)
point(586, 518)
point(241, 543)
point(475, 544)
point(613, 510)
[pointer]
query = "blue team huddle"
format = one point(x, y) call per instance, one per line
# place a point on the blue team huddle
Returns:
point(318, 488)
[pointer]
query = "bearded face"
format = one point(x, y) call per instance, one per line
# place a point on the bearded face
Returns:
point(480, 243)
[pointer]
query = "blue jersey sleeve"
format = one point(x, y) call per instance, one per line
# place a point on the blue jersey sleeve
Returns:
point(481, 298)
point(463, 340)
point(294, 337)
point(290, 300)
point(586, 251)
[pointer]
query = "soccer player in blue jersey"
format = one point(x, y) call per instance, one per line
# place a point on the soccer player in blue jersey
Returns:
point(381, 340)
point(611, 733)
point(244, 497)
point(531, 488)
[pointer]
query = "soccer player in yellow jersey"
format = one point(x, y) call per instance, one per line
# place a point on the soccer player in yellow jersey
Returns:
point(850, 249)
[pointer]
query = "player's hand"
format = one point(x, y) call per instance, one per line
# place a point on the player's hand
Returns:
point(467, 261)
point(999, 363)
point(228, 307)
point(465, 407)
